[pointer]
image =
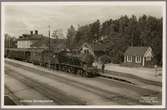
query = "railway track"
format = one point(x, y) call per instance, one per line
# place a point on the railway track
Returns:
point(101, 77)
point(92, 89)
point(52, 93)
point(10, 94)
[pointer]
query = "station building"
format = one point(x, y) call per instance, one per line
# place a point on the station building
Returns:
point(26, 40)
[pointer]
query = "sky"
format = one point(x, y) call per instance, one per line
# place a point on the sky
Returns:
point(20, 19)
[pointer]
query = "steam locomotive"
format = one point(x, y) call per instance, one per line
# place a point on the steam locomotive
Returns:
point(79, 64)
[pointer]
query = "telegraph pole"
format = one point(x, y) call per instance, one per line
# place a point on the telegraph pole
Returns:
point(9, 42)
point(49, 37)
point(49, 48)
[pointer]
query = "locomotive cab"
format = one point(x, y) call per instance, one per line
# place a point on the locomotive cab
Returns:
point(90, 70)
point(88, 67)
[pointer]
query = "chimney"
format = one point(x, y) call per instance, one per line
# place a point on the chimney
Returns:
point(36, 32)
point(31, 32)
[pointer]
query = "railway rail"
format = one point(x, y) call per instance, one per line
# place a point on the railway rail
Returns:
point(52, 93)
point(99, 91)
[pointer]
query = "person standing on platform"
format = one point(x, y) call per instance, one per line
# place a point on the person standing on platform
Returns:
point(103, 67)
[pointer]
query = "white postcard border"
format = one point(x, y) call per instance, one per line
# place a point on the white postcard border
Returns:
point(120, 3)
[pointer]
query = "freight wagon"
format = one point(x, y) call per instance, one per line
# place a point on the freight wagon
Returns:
point(18, 54)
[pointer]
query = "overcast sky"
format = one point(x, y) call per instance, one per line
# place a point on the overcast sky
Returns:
point(20, 19)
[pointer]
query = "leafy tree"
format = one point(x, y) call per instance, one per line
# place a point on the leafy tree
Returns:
point(95, 31)
point(58, 34)
point(123, 32)
point(10, 42)
point(71, 36)
point(132, 31)
point(151, 35)
point(82, 35)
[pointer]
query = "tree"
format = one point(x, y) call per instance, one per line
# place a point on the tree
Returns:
point(108, 28)
point(58, 34)
point(95, 31)
point(10, 42)
point(82, 35)
point(151, 35)
point(70, 36)
point(123, 32)
point(123, 23)
point(132, 32)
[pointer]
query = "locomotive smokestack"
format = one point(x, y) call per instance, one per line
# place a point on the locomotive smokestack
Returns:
point(36, 32)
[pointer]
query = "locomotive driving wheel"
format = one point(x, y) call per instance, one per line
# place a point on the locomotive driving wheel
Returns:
point(80, 72)
point(73, 70)
point(69, 69)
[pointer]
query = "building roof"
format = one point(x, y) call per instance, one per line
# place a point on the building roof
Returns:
point(135, 51)
point(30, 37)
point(85, 44)
point(43, 41)
point(54, 43)
point(39, 50)
point(25, 49)
point(60, 43)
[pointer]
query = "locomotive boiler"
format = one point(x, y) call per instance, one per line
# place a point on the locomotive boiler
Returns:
point(79, 64)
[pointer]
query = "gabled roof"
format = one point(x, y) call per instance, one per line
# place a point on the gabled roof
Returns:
point(135, 51)
point(86, 45)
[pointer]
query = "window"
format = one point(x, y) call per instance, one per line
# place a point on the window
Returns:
point(129, 58)
point(86, 51)
point(138, 59)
